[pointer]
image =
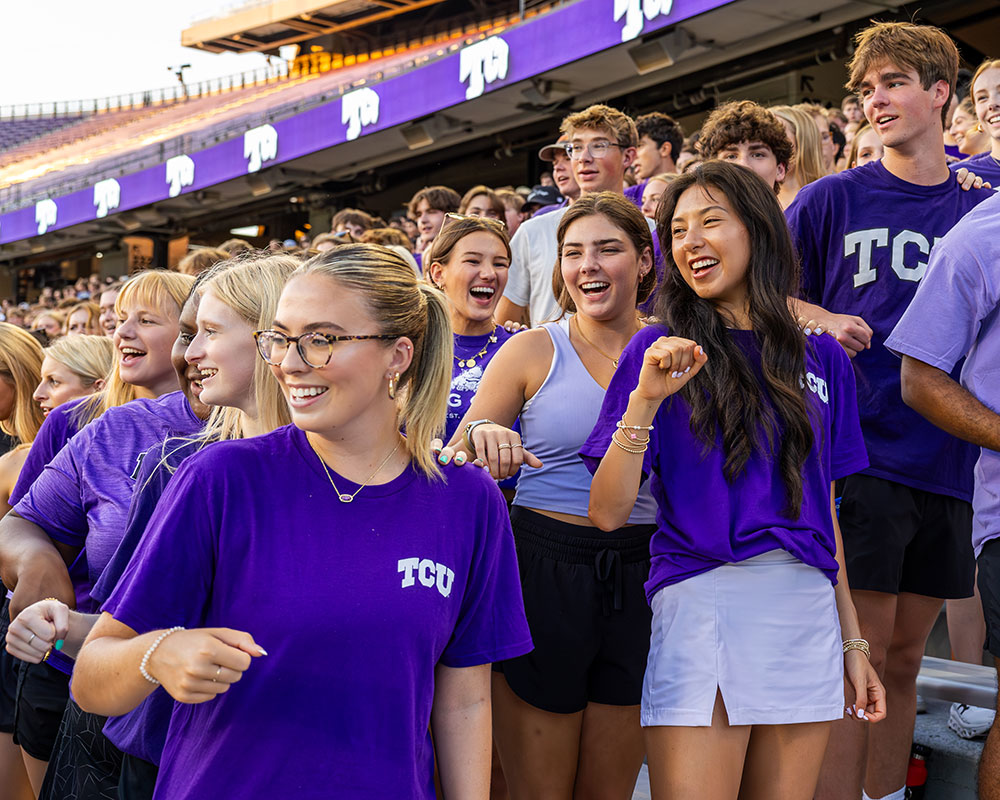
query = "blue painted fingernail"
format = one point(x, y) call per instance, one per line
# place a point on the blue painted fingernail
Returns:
point(59, 644)
point(443, 458)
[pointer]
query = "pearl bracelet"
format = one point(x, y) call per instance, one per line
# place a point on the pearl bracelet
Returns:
point(857, 644)
point(152, 648)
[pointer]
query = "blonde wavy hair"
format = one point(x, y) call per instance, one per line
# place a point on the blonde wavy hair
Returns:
point(158, 289)
point(251, 288)
point(90, 358)
point(402, 305)
point(807, 158)
point(21, 368)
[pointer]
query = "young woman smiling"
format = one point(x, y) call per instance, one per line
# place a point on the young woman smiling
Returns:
point(233, 300)
point(468, 261)
point(395, 651)
point(74, 366)
point(567, 714)
point(82, 500)
point(742, 424)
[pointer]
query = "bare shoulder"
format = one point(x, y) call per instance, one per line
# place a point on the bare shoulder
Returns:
point(10, 467)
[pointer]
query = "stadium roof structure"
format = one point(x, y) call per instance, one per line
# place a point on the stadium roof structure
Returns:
point(210, 159)
point(264, 27)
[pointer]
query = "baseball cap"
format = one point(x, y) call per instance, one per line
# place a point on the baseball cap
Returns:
point(548, 152)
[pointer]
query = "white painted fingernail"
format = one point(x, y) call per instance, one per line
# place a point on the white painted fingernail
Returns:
point(849, 712)
point(861, 713)
point(819, 330)
point(687, 370)
point(807, 331)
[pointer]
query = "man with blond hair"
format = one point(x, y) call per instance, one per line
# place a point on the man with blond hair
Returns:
point(865, 236)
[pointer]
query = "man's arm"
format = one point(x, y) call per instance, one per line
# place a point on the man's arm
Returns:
point(932, 393)
point(509, 311)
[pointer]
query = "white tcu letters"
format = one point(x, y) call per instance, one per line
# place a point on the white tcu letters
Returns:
point(482, 63)
point(428, 573)
point(905, 244)
point(817, 386)
point(45, 215)
point(180, 173)
point(635, 10)
point(107, 196)
point(358, 110)
point(260, 145)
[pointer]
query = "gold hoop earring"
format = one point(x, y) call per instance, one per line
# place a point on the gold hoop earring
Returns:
point(393, 382)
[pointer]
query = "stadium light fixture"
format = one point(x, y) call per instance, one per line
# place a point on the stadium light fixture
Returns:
point(252, 231)
point(258, 185)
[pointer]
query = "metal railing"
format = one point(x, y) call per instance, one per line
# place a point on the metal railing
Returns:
point(941, 679)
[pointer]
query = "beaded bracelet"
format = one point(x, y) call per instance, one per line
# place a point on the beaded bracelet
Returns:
point(152, 648)
point(857, 644)
point(622, 424)
point(636, 448)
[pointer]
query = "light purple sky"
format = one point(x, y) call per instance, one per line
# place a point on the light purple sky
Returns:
point(76, 49)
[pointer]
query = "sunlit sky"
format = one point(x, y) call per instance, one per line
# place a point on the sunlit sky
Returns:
point(53, 50)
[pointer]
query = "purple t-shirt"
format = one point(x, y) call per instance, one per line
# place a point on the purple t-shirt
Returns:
point(58, 427)
point(984, 165)
point(703, 521)
point(355, 604)
point(865, 236)
point(956, 314)
point(82, 497)
point(465, 379)
point(634, 193)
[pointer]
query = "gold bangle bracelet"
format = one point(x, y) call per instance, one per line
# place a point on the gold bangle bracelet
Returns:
point(633, 450)
point(857, 644)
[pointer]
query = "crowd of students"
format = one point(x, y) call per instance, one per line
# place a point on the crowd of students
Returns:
point(503, 498)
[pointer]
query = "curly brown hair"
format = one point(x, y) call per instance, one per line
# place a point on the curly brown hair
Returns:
point(744, 121)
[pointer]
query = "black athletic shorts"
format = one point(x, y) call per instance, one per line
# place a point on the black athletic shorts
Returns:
point(900, 539)
point(989, 591)
point(587, 611)
point(138, 779)
point(42, 692)
point(8, 673)
point(84, 764)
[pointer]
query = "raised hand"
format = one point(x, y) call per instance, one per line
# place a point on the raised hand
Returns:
point(667, 365)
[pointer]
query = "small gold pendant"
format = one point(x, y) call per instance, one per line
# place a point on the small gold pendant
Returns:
point(614, 364)
point(346, 498)
point(470, 362)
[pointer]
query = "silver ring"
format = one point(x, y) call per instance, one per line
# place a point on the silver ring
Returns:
point(503, 445)
point(31, 639)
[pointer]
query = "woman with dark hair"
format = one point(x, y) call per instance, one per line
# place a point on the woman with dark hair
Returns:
point(742, 424)
point(567, 714)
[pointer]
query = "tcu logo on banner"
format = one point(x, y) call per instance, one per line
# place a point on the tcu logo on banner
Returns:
point(107, 196)
point(260, 145)
point(635, 10)
point(428, 572)
point(180, 173)
point(359, 109)
point(482, 63)
point(45, 214)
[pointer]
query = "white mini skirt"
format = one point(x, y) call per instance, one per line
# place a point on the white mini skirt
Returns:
point(765, 632)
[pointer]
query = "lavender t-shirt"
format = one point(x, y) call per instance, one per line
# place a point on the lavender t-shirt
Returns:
point(984, 165)
point(864, 236)
point(356, 604)
point(82, 497)
point(703, 521)
point(956, 313)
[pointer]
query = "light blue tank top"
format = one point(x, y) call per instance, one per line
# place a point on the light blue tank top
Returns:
point(554, 425)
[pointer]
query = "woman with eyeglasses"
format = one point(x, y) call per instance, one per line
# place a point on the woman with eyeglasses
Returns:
point(567, 714)
point(236, 391)
point(335, 590)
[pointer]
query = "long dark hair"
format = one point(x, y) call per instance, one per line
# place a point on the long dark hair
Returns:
point(726, 398)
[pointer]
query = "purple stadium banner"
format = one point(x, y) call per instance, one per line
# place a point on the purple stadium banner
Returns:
point(560, 37)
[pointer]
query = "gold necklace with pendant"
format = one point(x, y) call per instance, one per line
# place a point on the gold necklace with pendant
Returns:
point(343, 496)
point(465, 363)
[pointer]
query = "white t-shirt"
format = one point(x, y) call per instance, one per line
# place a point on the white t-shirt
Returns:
point(534, 253)
point(533, 257)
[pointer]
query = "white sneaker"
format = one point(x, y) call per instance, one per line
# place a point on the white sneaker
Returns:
point(970, 722)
